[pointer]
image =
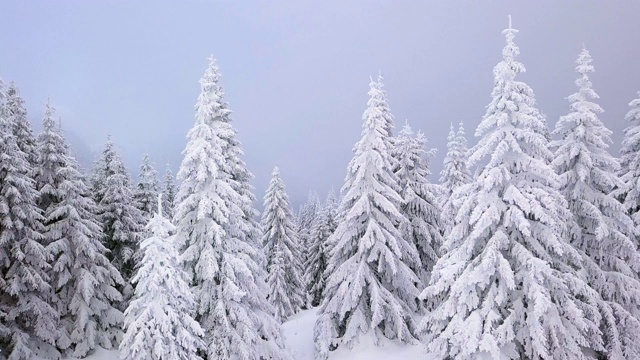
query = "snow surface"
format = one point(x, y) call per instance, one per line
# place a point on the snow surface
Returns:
point(299, 335)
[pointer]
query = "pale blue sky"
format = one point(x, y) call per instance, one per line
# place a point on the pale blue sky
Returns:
point(296, 73)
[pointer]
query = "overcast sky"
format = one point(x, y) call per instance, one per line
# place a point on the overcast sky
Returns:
point(296, 73)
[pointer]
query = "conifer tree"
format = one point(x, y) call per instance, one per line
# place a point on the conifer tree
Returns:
point(304, 219)
point(378, 101)
point(21, 127)
point(121, 220)
point(28, 322)
point(629, 192)
point(83, 278)
point(600, 229)
point(281, 244)
point(146, 191)
point(323, 227)
point(454, 174)
point(159, 321)
point(371, 289)
point(420, 205)
point(168, 194)
point(218, 237)
point(508, 286)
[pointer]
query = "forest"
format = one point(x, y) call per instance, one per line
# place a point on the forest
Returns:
point(526, 247)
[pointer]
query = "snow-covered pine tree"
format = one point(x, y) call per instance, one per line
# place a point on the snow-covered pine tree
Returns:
point(420, 203)
point(371, 289)
point(315, 276)
point(378, 101)
point(218, 236)
point(304, 220)
point(454, 174)
point(168, 194)
point(283, 251)
point(629, 192)
point(21, 127)
point(82, 276)
point(508, 285)
point(600, 229)
point(121, 220)
point(98, 178)
point(146, 191)
point(159, 321)
point(28, 322)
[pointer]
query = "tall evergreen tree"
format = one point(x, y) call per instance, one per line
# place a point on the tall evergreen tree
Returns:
point(281, 244)
point(83, 278)
point(629, 192)
point(168, 194)
point(159, 320)
point(371, 289)
point(28, 322)
point(121, 220)
point(454, 174)
point(378, 103)
point(304, 219)
point(508, 286)
point(600, 228)
point(420, 204)
point(315, 275)
point(146, 191)
point(21, 127)
point(218, 237)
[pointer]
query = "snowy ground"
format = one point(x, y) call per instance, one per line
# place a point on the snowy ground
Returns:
point(299, 333)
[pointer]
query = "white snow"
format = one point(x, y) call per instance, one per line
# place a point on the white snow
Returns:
point(299, 336)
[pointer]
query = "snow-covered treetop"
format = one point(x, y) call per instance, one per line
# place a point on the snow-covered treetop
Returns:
point(378, 107)
point(510, 97)
point(461, 139)
point(455, 172)
point(210, 103)
point(585, 92)
point(581, 129)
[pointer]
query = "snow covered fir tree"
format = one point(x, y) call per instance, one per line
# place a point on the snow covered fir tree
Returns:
point(159, 321)
point(509, 282)
point(283, 251)
point(146, 191)
point(316, 271)
point(83, 279)
point(526, 247)
point(122, 221)
point(600, 229)
point(371, 290)
point(28, 318)
point(216, 237)
point(419, 200)
point(454, 174)
point(629, 191)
